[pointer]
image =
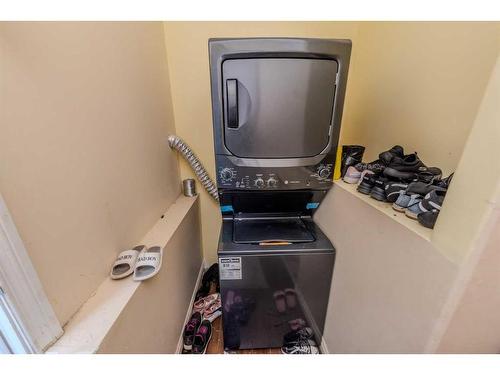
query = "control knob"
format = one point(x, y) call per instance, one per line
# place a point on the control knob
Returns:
point(259, 183)
point(323, 172)
point(226, 174)
point(271, 182)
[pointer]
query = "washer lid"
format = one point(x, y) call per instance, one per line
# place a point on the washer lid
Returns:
point(258, 231)
point(278, 107)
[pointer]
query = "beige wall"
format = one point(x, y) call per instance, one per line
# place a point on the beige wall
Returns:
point(419, 84)
point(84, 167)
point(471, 194)
point(475, 324)
point(389, 284)
point(187, 49)
point(468, 231)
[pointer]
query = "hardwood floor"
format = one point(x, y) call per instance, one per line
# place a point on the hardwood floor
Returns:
point(216, 345)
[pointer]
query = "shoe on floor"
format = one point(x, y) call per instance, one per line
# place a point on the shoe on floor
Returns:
point(413, 208)
point(428, 219)
point(367, 183)
point(291, 298)
point(280, 301)
point(351, 155)
point(389, 156)
point(301, 347)
point(444, 182)
point(408, 163)
point(395, 175)
point(190, 330)
point(352, 175)
point(202, 338)
point(378, 190)
point(422, 188)
point(297, 324)
point(300, 335)
point(405, 200)
point(393, 190)
point(209, 282)
point(429, 175)
point(214, 310)
point(433, 200)
point(202, 304)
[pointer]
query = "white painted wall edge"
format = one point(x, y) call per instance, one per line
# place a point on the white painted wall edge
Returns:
point(23, 288)
point(87, 329)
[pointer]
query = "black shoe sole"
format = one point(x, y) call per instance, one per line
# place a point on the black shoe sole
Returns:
point(364, 189)
point(378, 194)
point(399, 175)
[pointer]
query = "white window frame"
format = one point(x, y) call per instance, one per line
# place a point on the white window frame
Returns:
point(22, 298)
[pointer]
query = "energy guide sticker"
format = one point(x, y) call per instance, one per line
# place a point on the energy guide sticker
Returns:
point(230, 268)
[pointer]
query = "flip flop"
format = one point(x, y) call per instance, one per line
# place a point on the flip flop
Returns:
point(280, 301)
point(148, 263)
point(125, 263)
point(291, 298)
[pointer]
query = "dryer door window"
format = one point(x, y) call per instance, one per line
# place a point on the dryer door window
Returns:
point(278, 107)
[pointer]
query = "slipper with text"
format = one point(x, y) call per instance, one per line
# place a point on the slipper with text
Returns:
point(125, 263)
point(148, 263)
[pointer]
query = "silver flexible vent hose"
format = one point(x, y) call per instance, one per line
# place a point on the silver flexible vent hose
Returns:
point(178, 144)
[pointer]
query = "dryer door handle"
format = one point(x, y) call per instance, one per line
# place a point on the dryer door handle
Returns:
point(232, 103)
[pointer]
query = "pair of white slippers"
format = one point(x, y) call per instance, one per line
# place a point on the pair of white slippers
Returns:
point(141, 261)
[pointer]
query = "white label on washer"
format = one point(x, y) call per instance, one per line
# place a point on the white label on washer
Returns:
point(230, 268)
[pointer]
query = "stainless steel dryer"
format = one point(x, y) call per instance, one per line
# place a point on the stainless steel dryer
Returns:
point(277, 107)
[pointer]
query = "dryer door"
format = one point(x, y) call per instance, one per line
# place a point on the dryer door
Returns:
point(278, 107)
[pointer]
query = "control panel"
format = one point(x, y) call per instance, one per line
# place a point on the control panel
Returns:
point(230, 176)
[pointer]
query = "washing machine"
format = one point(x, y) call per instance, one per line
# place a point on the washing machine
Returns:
point(277, 108)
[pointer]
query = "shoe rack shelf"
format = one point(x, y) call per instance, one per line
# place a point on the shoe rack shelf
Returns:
point(386, 209)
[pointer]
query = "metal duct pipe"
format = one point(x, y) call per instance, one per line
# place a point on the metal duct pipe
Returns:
point(178, 144)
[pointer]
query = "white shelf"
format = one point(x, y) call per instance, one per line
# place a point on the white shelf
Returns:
point(88, 328)
point(387, 209)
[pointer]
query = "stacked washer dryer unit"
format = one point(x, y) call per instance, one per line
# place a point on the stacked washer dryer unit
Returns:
point(277, 106)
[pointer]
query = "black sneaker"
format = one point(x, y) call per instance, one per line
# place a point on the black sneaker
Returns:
point(445, 182)
point(393, 189)
point(190, 330)
point(296, 336)
point(408, 163)
point(351, 155)
point(375, 166)
point(367, 183)
point(209, 282)
point(429, 175)
point(395, 175)
point(378, 190)
point(386, 157)
point(428, 219)
point(419, 187)
point(301, 347)
point(202, 338)
point(433, 200)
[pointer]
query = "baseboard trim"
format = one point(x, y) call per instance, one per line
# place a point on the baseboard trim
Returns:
point(323, 347)
point(188, 312)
